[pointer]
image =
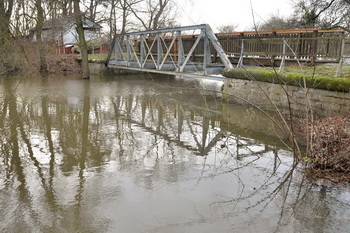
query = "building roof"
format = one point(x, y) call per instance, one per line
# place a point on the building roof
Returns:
point(67, 22)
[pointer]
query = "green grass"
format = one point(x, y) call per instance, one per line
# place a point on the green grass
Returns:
point(300, 77)
point(320, 69)
point(98, 57)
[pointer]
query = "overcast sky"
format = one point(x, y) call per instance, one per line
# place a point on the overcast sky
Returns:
point(238, 12)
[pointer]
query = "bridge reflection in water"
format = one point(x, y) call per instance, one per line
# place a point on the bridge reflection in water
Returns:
point(97, 155)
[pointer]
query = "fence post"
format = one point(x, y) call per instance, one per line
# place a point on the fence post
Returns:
point(314, 47)
point(283, 61)
point(240, 61)
point(341, 58)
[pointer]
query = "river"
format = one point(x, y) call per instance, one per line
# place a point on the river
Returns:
point(141, 153)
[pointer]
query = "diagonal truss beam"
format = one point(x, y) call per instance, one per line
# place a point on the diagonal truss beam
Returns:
point(163, 56)
point(191, 51)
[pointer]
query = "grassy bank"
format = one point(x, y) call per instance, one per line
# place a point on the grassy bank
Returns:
point(328, 69)
point(308, 77)
point(96, 58)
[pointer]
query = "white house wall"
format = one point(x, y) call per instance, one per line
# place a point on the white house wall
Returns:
point(70, 37)
point(90, 35)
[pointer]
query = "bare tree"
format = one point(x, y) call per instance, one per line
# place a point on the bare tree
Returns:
point(158, 14)
point(95, 9)
point(38, 30)
point(126, 7)
point(82, 41)
point(158, 11)
point(276, 22)
point(6, 7)
point(324, 14)
point(66, 7)
point(227, 28)
point(112, 18)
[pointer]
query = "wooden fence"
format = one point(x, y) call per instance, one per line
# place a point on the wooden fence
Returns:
point(309, 45)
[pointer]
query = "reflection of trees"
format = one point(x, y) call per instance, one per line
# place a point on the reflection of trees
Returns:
point(25, 159)
point(83, 154)
point(52, 145)
point(13, 160)
point(74, 139)
point(318, 210)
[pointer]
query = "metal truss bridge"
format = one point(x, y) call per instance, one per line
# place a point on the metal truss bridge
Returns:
point(163, 51)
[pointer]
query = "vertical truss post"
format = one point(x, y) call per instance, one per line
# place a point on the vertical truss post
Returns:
point(117, 50)
point(207, 54)
point(128, 50)
point(159, 51)
point(142, 49)
point(180, 50)
point(216, 44)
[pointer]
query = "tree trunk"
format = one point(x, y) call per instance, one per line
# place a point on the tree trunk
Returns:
point(82, 42)
point(6, 57)
point(112, 20)
point(5, 16)
point(125, 8)
point(162, 5)
point(38, 32)
point(70, 6)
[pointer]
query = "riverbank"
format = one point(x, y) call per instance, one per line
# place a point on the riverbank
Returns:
point(269, 91)
point(298, 79)
point(64, 64)
point(320, 103)
point(328, 157)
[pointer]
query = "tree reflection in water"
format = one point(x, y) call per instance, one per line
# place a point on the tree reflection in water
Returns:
point(87, 155)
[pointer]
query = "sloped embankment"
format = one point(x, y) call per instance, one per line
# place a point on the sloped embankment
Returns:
point(329, 155)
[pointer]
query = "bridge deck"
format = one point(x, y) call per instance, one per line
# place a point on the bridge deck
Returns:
point(193, 75)
point(190, 70)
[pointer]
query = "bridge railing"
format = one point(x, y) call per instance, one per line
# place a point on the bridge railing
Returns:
point(164, 50)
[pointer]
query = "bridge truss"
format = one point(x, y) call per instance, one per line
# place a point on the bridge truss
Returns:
point(163, 51)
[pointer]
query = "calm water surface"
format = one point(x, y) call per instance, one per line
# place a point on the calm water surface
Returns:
point(148, 154)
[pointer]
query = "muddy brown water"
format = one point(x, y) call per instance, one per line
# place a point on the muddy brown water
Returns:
point(138, 153)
